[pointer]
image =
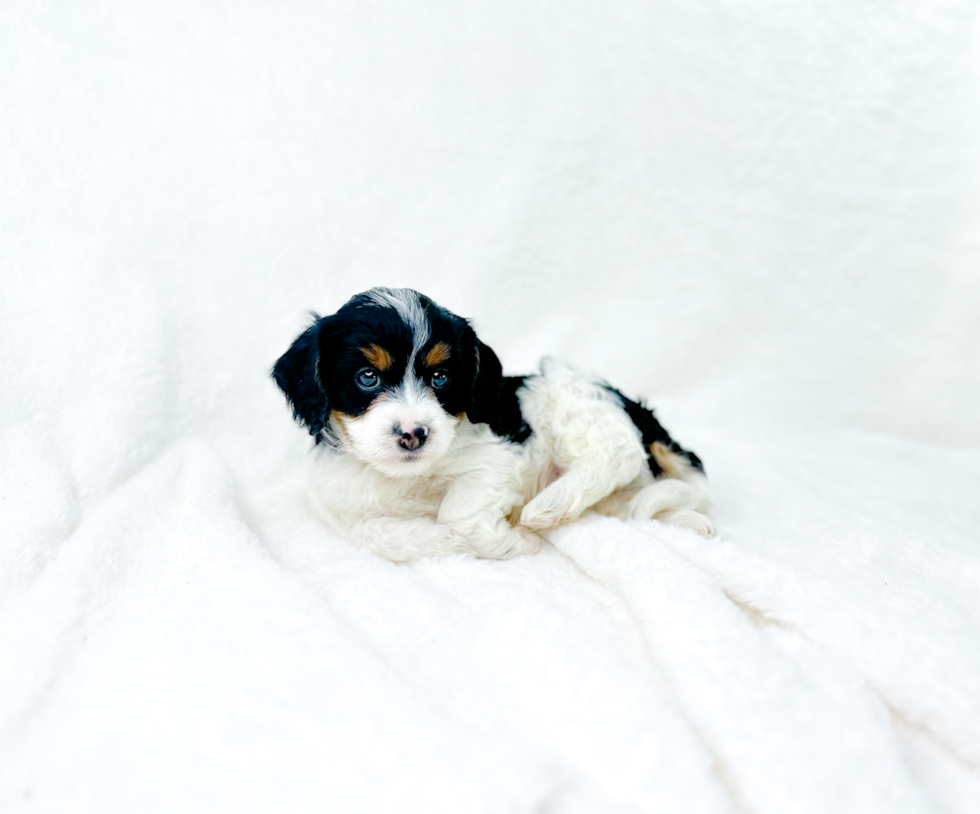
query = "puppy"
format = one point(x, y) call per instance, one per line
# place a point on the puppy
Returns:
point(428, 449)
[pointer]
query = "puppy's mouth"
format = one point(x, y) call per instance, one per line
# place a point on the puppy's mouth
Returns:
point(415, 460)
point(411, 456)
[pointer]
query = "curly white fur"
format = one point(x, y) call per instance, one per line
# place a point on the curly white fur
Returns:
point(490, 497)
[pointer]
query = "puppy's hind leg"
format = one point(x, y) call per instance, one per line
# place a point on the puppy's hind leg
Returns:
point(588, 436)
point(602, 459)
point(566, 498)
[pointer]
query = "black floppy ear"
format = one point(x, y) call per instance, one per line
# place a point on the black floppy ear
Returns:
point(488, 380)
point(297, 375)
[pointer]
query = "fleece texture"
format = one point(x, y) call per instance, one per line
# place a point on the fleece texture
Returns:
point(761, 217)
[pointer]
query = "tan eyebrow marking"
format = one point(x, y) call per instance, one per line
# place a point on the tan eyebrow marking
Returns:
point(378, 357)
point(438, 354)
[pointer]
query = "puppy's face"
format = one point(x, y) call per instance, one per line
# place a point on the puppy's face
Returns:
point(398, 380)
point(388, 378)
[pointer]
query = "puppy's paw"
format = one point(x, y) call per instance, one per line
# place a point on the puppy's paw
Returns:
point(524, 541)
point(690, 519)
point(549, 509)
point(516, 542)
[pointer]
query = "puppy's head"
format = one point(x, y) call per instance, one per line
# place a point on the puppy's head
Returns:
point(388, 378)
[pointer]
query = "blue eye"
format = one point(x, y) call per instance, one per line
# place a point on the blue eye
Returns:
point(367, 379)
point(440, 379)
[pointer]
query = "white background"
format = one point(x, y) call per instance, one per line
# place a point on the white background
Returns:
point(762, 216)
point(767, 209)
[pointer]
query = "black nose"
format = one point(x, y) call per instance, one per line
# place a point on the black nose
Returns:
point(412, 440)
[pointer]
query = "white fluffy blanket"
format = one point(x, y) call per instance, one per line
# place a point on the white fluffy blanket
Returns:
point(760, 218)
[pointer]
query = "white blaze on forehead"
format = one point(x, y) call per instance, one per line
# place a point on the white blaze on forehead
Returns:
point(406, 304)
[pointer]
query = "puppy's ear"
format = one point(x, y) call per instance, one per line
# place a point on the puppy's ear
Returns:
point(488, 379)
point(297, 374)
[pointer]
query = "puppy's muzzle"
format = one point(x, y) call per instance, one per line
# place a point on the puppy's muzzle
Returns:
point(412, 438)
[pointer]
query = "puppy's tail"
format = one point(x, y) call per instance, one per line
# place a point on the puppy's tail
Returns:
point(680, 502)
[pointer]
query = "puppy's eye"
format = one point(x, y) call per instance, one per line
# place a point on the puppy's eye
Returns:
point(440, 379)
point(367, 379)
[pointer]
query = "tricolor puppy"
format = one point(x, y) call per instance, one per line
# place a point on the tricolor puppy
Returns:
point(429, 449)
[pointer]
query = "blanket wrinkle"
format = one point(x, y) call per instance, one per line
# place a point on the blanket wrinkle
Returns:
point(726, 650)
point(40, 507)
point(197, 547)
point(881, 630)
point(507, 656)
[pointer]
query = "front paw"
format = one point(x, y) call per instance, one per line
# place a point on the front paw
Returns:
point(550, 508)
point(523, 541)
point(515, 542)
